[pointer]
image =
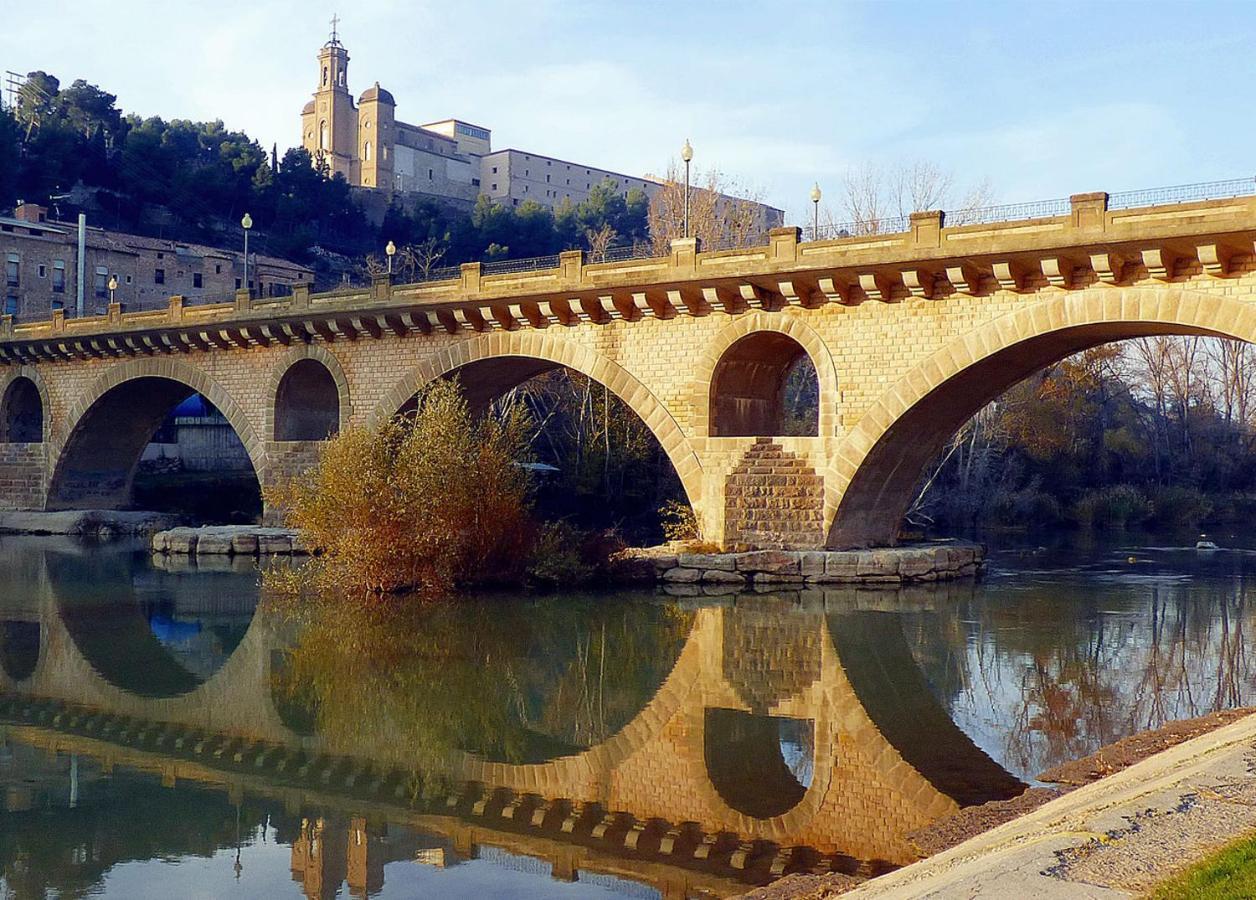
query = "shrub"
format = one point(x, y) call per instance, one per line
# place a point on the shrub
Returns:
point(1118, 506)
point(557, 556)
point(427, 502)
point(1183, 507)
point(678, 521)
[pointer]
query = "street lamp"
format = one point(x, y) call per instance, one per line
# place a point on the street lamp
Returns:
point(390, 251)
point(686, 153)
point(113, 286)
point(247, 224)
point(815, 218)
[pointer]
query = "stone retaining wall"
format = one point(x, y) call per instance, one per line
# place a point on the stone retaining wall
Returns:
point(936, 561)
point(229, 540)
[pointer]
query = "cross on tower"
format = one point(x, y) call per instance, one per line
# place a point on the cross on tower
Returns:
point(335, 20)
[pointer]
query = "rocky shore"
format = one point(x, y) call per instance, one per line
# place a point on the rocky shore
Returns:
point(934, 561)
point(229, 540)
point(99, 523)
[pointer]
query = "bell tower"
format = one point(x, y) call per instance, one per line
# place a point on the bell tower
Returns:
point(329, 123)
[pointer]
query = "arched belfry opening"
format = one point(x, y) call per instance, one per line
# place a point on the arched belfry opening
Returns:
point(764, 385)
point(22, 413)
point(307, 404)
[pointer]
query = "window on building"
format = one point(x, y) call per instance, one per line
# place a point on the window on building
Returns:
point(322, 135)
point(11, 278)
point(587, 186)
point(494, 186)
point(548, 162)
point(237, 284)
point(43, 271)
point(159, 276)
point(102, 283)
point(547, 181)
point(58, 304)
point(58, 276)
point(324, 76)
point(514, 202)
point(217, 268)
point(475, 182)
point(197, 280)
point(494, 170)
point(431, 175)
point(366, 151)
point(526, 173)
point(366, 124)
point(525, 188)
point(12, 304)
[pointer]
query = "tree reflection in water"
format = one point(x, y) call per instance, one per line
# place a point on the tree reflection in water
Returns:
point(512, 682)
point(1064, 666)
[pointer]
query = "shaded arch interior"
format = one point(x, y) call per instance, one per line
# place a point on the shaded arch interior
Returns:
point(746, 763)
point(21, 413)
point(748, 394)
point(307, 403)
point(97, 465)
point(878, 496)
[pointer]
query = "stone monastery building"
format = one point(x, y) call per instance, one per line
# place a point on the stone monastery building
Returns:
point(450, 160)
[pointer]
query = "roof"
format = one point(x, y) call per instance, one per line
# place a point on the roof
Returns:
point(375, 92)
point(121, 242)
point(308, 108)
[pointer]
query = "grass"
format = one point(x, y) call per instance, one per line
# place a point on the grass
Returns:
point(1227, 874)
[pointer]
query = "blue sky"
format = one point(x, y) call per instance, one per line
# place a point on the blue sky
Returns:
point(1042, 99)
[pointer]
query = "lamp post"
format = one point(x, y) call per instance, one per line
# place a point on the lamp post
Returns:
point(247, 224)
point(113, 287)
point(815, 216)
point(686, 153)
point(390, 251)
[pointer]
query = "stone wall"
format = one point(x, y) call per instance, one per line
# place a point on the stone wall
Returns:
point(22, 476)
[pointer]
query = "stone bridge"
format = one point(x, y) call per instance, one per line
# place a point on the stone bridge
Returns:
point(908, 333)
point(703, 762)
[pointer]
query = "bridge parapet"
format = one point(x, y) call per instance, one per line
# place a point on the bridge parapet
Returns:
point(1086, 243)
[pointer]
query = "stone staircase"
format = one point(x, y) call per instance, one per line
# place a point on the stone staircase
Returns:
point(773, 501)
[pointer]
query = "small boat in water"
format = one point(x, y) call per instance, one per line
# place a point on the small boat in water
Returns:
point(1206, 545)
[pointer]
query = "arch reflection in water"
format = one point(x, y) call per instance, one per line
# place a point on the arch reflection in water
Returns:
point(148, 633)
point(623, 731)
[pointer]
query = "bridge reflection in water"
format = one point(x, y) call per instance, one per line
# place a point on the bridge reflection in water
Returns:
point(695, 749)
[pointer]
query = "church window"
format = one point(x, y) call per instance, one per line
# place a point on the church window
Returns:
point(383, 153)
point(341, 79)
point(324, 76)
point(366, 151)
point(430, 175)
point(494, 186)
point(322, 135)
point(366, 124)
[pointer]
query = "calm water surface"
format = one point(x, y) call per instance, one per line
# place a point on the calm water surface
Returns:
point(168, 732)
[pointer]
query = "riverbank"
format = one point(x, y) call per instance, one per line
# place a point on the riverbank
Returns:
point(1116, 823)
point(98, 523)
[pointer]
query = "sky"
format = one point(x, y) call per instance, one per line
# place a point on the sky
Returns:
point(1039, 99)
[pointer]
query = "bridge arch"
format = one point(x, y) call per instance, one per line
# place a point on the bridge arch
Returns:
point(745, 332)
point(94, 457)
point(24, 408)
point(869, 484)
point(524, 354)
point(299, 370)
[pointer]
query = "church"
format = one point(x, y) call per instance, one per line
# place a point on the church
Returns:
point(450, 160)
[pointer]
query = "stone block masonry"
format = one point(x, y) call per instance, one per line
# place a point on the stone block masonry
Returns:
point(909, 335)
point(937, 561)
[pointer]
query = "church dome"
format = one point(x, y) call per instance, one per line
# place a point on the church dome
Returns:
point(375, 92)
point(308, 108)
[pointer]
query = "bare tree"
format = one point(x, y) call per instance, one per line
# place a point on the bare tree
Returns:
point(873, 194)
point(599, 241)
point(418, 260)
point(721, 212)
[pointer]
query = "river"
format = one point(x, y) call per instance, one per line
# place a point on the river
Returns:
point(167, 731)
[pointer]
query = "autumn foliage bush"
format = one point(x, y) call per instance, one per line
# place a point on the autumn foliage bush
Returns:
point(427, 502)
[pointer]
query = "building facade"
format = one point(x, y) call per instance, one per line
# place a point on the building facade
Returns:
point(41, 267)
point(449, 160)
